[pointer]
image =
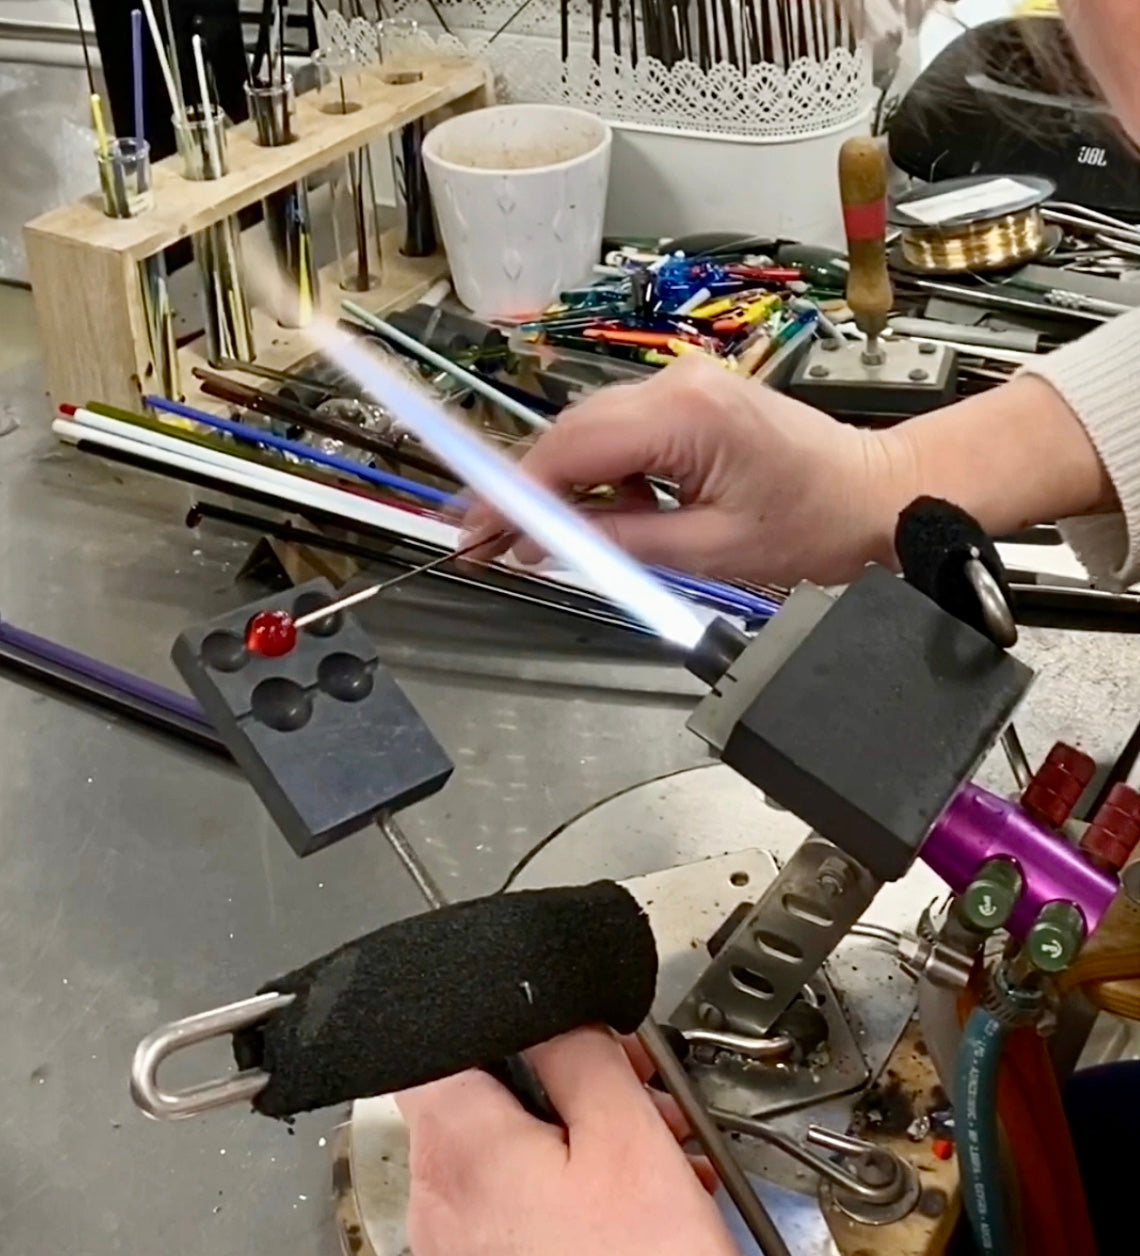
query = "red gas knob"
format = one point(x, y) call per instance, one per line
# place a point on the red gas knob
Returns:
point(1058, 784)
point(1115, 830)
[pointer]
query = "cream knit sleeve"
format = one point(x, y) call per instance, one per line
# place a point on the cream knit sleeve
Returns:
point(1099, 377)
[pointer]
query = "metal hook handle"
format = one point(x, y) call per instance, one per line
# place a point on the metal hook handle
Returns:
point(996, 611)
point(745, 1045)
point(1002, 627)
point(174, 1105)
point(836, 1174)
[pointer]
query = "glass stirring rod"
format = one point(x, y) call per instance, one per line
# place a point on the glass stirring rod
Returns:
point(273, 633)
point(363, 595)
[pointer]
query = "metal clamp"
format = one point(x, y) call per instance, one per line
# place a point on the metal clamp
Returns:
point(175, 1105)
point(881, 1187)
point(799, 920)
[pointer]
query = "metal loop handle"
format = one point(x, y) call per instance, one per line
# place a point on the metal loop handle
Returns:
point(751, 1048)
point(174, 1105)
point(839, 1177)
point(996, 611)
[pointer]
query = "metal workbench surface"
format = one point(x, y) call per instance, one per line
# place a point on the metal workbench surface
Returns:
point(141, 881)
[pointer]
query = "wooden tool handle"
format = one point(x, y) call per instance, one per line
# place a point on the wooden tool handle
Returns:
point(863, 191)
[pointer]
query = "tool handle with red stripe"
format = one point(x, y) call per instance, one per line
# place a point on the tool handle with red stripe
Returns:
point(863, 191)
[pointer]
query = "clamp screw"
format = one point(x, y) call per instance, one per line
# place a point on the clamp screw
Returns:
point(834, 876)
point(710, 1015)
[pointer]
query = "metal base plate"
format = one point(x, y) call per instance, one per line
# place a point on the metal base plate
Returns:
point(912, 379)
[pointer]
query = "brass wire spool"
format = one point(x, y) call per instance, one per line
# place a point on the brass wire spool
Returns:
point(996, 244)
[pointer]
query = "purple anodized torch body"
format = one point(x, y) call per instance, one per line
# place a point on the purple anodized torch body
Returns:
point(978, 826)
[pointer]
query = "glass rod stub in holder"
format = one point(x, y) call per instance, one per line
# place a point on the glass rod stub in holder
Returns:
point(125, 178)
point(356, 223)
point(201, 139)
point(287, 218)
point(160, 327)
point(271, 109)
point(402, 50)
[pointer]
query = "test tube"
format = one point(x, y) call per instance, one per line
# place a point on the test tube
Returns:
point(356, 223)
point(201, 140)
point(401, 48)
point(337, 82)
point(127, 191)
point(124, 178)
point(287, 218)
point(403, 55)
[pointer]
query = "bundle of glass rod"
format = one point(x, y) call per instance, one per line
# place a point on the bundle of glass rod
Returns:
point(287, 219)
point(201, 137)
point(256, 464)
point(741, 33)
point(160, 325)
point(356, 223)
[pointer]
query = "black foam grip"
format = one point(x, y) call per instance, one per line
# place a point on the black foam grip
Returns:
point(453, 989)
point(933, 540)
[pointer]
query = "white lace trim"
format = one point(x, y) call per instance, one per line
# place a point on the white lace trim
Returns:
point(813, 95)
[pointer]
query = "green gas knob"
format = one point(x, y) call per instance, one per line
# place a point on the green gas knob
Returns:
point(988, 901)
point(1055, 937)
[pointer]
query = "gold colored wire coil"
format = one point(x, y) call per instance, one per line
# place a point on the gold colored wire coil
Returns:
point(991, 245)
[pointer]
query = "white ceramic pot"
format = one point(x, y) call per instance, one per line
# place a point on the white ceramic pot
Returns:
point(520, 194)
point(669, 182)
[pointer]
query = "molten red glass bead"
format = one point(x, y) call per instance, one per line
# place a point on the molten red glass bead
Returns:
point(271, 634)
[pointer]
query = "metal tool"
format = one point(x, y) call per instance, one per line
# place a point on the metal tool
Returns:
point(873, 381)
point(678, 1083)
point(748, 1047)
point(992, 298)
point(364, 595)
point(800, 919)
point(863, 190)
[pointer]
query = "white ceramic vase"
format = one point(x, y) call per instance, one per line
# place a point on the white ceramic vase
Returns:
point(520, 195)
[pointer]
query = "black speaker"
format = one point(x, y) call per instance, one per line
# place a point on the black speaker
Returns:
point(1011, 97)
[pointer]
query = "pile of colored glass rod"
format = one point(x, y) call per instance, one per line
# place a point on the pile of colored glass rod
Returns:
point(649, 309)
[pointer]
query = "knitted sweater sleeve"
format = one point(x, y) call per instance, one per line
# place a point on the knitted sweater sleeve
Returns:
point(1099, 378)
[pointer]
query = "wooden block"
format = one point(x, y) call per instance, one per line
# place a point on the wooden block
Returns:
point(92, 322)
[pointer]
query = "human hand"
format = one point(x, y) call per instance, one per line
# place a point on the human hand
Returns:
point(770, 489)
point(488, 1179)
